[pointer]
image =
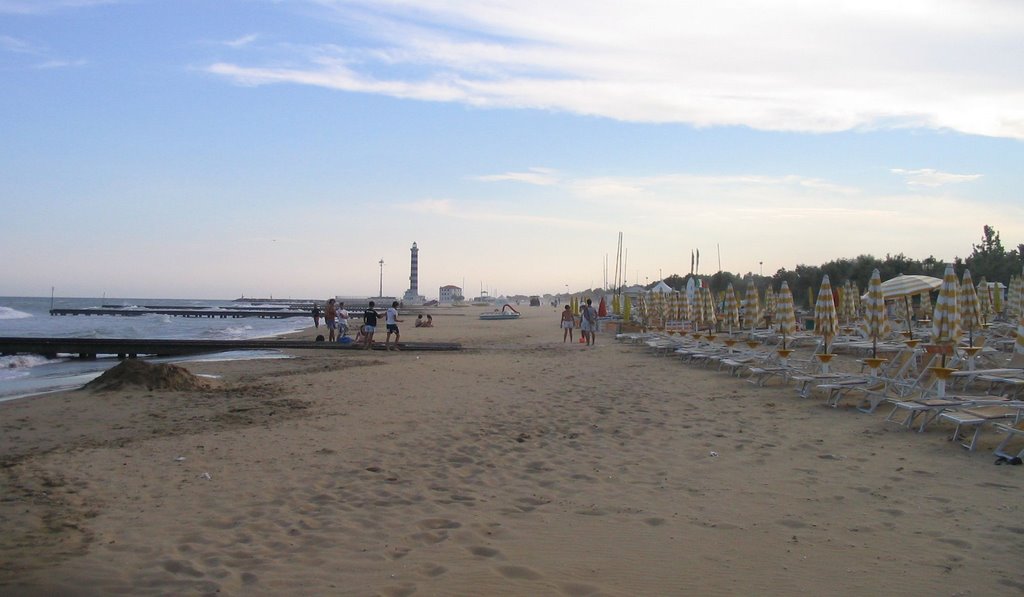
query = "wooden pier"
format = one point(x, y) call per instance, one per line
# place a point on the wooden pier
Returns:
point(180, 312)
point(90, 348)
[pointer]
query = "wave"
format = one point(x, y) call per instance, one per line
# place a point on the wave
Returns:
point(9, 313)
point(24, 361)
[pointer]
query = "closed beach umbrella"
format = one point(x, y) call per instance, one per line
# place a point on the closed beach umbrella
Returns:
point(985, 300)
point(970, 307)
point(946, 316)
point(602, 308)
point(616, 305)
point(874, 312)
point(1018, 345)
point(731, 309)
point(826, 321)
point(627, 309)
point(769, 306)
point(997, 297)
point(751, 306)
point(1014, 306)
point(685, 308)
point(926, 303)
point(709, 308)
point(785, 315)
point(697, 309)
point(641, 308)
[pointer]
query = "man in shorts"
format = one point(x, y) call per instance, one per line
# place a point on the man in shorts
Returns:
point(369, 325)
point(588, 323)
point(391, 320)
point(331, 319)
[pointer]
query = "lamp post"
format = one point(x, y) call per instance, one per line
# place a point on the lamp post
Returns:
point(761, 265)
point(380, 292)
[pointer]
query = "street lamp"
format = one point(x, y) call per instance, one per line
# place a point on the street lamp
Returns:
point(380, 292)
point(761, 264)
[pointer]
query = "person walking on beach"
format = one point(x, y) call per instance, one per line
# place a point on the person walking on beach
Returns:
point(391, 320)
point(342, 320)
point(568, 323)
point(316, 316)
point(369, 325)
point(588, 323)
point(331, 319)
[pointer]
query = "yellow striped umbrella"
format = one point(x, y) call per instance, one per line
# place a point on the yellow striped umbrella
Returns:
point(997, 297)
point(641, 308)
point(874, 312)
point(946, 316)
point(826, 322)
point(785, 316)
point(709, 309)
point(1018, 345)
point(1014, 305)
point(751, 306)
point(769, 306)
point(697, 308)
point(970, 307)
point(985, 299)
point(731, 309)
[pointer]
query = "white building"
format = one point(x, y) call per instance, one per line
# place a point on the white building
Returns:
point(447, 294)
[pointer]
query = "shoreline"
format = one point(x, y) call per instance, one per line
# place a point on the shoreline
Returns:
point(519, 465)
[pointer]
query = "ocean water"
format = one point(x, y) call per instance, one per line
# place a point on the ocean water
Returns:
point(26, 375)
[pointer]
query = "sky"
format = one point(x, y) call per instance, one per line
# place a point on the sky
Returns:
point(196, 149)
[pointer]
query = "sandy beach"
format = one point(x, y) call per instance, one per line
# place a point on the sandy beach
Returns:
point(519, 465)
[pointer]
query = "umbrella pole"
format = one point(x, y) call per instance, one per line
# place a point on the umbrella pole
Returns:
point(874, 347)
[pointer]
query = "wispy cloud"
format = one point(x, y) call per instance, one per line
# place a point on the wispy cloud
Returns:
point(927, 177)
point(799, 66)
point(17, 45)
point(38, 7)
point(535, 176)
point(242, 41)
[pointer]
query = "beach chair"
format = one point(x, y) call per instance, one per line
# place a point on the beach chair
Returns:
point(1012, 432)
point(977, 417)
point(894, 371)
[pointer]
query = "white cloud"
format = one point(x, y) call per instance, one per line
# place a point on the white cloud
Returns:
point(927, 177)
point(241, 42)
point(535, 176)
point(796, 65)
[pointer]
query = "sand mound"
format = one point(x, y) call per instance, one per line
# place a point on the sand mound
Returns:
point(135, 373)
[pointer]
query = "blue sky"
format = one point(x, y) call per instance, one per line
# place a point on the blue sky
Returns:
point(212, 149)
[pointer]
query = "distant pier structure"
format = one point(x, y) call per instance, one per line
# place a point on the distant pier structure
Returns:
point(412, 296)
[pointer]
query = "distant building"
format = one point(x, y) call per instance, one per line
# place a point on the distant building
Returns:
point(448, 294)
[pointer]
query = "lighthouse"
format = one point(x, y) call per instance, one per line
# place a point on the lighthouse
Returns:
point(412, 296)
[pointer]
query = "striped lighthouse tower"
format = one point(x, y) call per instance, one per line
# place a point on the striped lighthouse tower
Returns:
point(413, 294)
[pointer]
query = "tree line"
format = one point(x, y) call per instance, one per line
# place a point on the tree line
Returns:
point(988, 259)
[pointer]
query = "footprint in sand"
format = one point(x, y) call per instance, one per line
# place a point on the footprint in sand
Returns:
point(519, 573)
point(484, 552)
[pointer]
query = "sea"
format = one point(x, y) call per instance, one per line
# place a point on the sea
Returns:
point(29, 375)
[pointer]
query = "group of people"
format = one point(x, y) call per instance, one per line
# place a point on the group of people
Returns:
point(336, 318)
point(587, 323)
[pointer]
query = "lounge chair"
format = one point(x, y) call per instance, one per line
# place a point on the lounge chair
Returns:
point(976, 417)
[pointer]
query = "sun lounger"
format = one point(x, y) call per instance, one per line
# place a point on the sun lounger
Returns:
point(1012, 432)
point(977, 417)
